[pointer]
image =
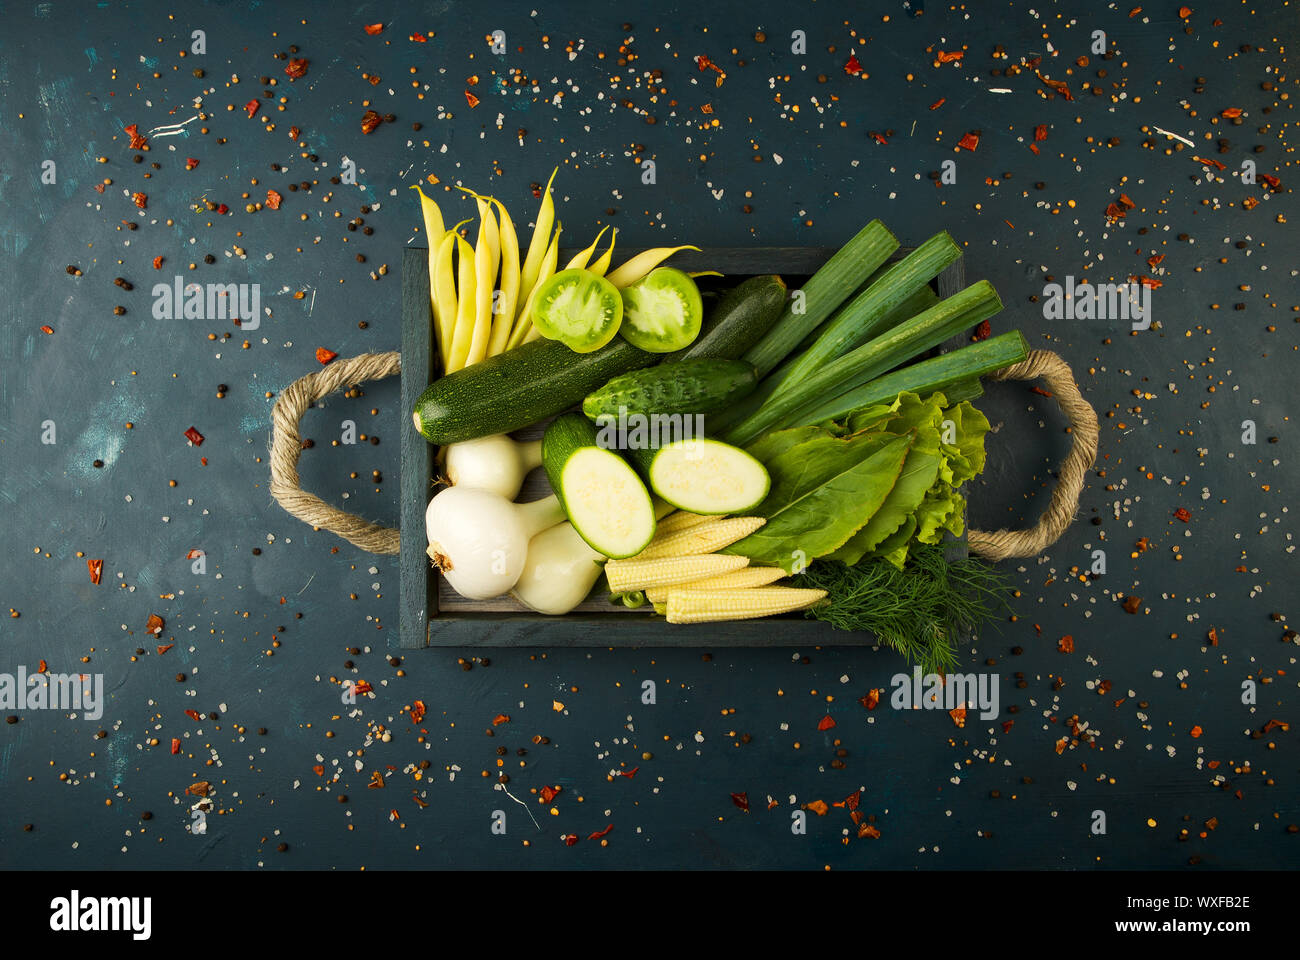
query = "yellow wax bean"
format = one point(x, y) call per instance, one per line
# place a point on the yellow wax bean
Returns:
point(503, 310)
point(583, 257)
point(465, 300)
point(538, 246)
point(600, 267)
point(485, 275)
point(636, 268)
point(524, 330)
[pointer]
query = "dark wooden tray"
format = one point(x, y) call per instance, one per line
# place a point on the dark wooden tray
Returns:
point(433, 615)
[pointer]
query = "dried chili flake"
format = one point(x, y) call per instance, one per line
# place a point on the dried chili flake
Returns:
point(294, 133)
point(1213, 637)
point(163, 648)
point(1126, 201)
point(548, 793)
point(853, 67)
point(1182, 514)
point(1232, 113)
point(1149, 282)
point(879, 138)
point(191, 163)
point(938, 103)
point(157, 263)
point(369, 121)
point(42, 667)
point(417, 711)
point(629, 773)
point(138, 140)
point(1115, 212)
point(273, 199)
point(194, 437)
point(871, 700)
point(969, 141)
point(1007, 725)
point(362, 686)
point(222, 209)
point(570, 839)
point(1033, 147)
point(1132, 604)
point(741, 800)
point(1061, 745)
point(419, 38)
point(702, 62)
point(1195, 732)
point(950, 56)
point(96, 569)
point(1184, 12)
point(154, 624)
point(99, 188)
point(1060, 86)
point(1155, 260)
point(374, 29)
point(852, 800)
point(1209, 162)
point(471, 100)
point(1134, 12)
point(601, 833)
point(1065, 644)
point(867, 830)
point(1040, 391)
point(958, 715)
point(1271, 180)
point(296, 68)
point(176, 745)
point(376, 781)
point(1040, 132)
point(818, 807)
point(982, 331)
point(252, 107)
point(826, 722)
point(193, 715)
point(141, 199)
point(324, 356)
point(499, 719)
point(1276, 724)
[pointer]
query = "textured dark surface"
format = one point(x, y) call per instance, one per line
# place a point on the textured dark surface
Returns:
point(1168, 746)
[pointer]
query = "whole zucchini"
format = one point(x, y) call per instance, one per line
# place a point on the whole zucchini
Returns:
point(689, 387)
point(738, 320)
point(519, 387)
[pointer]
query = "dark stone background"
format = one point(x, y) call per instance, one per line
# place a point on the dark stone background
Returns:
point(73, 75)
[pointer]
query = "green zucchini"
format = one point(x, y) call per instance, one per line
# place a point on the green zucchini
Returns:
point(704, 476)
point(601, 494)
point(693, 386)
point(521, 386)
point(740, 318)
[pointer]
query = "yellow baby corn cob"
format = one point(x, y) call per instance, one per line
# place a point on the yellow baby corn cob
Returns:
point(626, 575)
point(703, 606)
point(701, 538)
point(680, 520)
point(743, 579)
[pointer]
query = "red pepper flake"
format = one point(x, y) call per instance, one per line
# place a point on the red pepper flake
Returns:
point(1231, 113)
point(872, 699)
point(853, 67)
point(318, 769)
point(1061, 745)
point(194, 437)
point(417, 711)
point(1271, 180)
point(1115, 212)
point(879, 138)
point(702, 62)
point(325, 356)
point(362, 686)
point(867, 830)
point(1213, 637)
point(138, 140)
point(601, 833)
point(1132, 604)
point(499, 719)
point(471, 100)
point(294, 133)
point(419, 38)
point(43, 666)
point(1268, 727)
point(1040, 391)
point(141, 199)
point(193, 715)
point(570, 839)
point(96, 569)
point(1007, 725)
point(252, 107)
point(826, 722)
point(982, 332)
point(163, 648)
point(549, 793)
point(154, 624)
point(296, 68)
point(157, 263)
point(1182, 514)
point(1134, 12)
point(374, 29)
point(969, 142)
point(938, 103)
point(950, 56)
point(1209, 163)
point(818, 807)
point(1195, 732)
point(191, 163)
point(1034, 148)
point(176, 746)
point(1184, 12)
point(958, 715)
point(629, 773)
point(1060, 86)
point(1040, 132)
point(1155, 260)
point(369, 121)
point(1126, 201)
point(273, 199)
point(1065, 644)
point(1150, 282)
point(741, 800)
point(46, 329)
point(852, 800)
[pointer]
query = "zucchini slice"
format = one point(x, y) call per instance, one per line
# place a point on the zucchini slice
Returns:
point(705, 476)
point(601, 494)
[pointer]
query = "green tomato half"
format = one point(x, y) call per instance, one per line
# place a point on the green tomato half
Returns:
point(662, 311)
point(580, 309)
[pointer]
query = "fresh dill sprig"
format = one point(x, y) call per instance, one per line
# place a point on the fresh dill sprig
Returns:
point(921, 611)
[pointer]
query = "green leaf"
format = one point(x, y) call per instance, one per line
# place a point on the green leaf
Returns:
point(808, 465)
point(894, 548)
point(940, 510)
point(869, 418)
point(966, 456)
point(772, 445)
point(815, 518)
point(917, 476)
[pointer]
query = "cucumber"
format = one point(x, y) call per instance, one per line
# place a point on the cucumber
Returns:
point(704, 476)
point(601, 494)
point(738, 320)
point(693, 386)
point(518, 387)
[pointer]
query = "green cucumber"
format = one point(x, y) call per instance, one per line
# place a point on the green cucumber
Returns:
point(601, 494)
point(740, 318)
point(704, 476)
point(705, 385)
point(521, 386)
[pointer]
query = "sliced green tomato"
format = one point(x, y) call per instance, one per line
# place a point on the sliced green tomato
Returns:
point(580, 309)
point(708, 477)
point(607, 503)
point(662, 311)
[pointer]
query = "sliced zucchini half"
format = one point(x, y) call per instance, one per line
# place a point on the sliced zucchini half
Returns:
point(601, 493)
point(705, 476)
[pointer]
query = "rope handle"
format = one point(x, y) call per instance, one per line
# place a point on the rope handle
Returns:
point(286, 448)
point(1001, 544)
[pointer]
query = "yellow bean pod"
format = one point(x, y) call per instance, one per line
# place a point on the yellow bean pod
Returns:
point(636, 268)
point(538, 246)
point(583, 257)
point(485, 275)
point(601, 266)
point(465, 306)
